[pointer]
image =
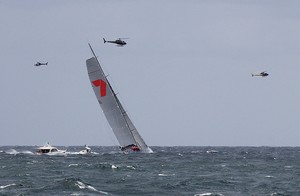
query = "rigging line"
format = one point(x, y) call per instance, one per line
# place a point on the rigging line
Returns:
point(127, 124)
point(131, 129)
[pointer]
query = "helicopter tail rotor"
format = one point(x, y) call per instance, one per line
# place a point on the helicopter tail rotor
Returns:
point(104, 40)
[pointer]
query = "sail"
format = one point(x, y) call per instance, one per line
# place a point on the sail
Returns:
point(119, 121)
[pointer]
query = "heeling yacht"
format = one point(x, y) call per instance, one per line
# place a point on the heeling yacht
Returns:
point(48, 149)
point(126, 133)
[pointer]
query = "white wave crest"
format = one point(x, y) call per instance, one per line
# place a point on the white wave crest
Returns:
point(130, 166)
point(166, 174)
point(209, 194)
point(73, 165)
point(81, 185)
point(5, 186)
point(12, 151)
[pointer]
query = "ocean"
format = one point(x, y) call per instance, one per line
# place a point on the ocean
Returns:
point(196, 171)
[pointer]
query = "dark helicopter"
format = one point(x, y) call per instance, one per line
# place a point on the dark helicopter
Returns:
point(119, 42)
point(39, 64)
point(262, 74)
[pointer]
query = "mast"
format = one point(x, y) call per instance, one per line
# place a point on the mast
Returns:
point(93, 52)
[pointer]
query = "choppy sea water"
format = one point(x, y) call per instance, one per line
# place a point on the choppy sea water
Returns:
point(197, 171)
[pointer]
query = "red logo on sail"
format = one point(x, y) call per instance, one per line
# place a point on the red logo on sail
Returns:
point(102, 86)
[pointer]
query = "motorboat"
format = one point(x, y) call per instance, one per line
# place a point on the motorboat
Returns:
point(87, 150)
point(48, 149)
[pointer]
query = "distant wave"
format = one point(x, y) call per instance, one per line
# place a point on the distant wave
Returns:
point(209, 194)
point(5, 186)
point(15, 152)
point(82, 185)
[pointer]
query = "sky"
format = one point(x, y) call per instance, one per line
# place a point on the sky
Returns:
point(184, 76)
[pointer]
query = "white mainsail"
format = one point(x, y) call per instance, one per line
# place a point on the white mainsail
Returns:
point(119, 121)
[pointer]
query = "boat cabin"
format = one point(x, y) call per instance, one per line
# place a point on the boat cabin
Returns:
point(46, 150)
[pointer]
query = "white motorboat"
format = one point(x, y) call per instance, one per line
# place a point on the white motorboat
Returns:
point(87, 150)
point(48, 149)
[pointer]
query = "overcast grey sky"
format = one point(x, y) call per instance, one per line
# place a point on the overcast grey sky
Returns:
point(184, 76)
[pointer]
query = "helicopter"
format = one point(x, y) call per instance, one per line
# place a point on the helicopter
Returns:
point(39, 64)
point(262, 74)
point(119, 41)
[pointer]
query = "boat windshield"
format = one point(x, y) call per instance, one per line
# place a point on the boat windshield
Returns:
point(54, 150)
point(43, 150)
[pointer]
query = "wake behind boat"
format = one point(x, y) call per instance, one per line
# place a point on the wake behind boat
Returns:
point(50, 150)
point(127, 135)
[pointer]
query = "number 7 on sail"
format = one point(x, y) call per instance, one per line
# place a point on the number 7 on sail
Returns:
point(102, 86)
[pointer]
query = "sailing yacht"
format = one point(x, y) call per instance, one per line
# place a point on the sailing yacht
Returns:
point(126, 133)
